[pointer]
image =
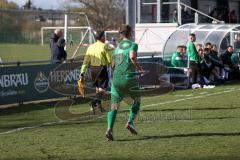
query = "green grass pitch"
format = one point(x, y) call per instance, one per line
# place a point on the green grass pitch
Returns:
point(31, 52)
point(198, 124)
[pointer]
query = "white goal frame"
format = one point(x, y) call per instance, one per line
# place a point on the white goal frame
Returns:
point(53, 28)
point(88, 30)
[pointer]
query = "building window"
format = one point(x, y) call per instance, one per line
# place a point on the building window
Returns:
point(148, 11)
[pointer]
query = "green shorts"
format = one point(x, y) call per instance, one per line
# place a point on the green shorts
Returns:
point(122, 86)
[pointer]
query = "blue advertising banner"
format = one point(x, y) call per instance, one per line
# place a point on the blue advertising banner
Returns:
point(30, 83)
point(40, 82)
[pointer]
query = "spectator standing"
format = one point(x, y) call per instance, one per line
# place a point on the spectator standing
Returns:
point(53, 43)
point(185, 15)
point(174, 16)
point(62, 56)
point(59, 54)
point(193, 58)
point(233, 17)
point(214, 13)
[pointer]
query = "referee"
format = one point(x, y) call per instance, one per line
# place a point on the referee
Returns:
point(98, 58)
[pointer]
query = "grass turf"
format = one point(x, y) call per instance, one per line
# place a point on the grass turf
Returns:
point(30, 52)
point(181, 125)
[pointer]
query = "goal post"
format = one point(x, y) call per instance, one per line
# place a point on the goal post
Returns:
point(53, 28)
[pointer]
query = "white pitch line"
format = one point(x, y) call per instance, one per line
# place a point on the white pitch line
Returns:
point(203, 93)
point(146, 106)
point(187, 95)
point(29, 127)
point(189, 98)
point(19, 129)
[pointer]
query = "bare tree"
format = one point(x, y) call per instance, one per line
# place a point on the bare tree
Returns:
point(28, 4)
point(104, 13)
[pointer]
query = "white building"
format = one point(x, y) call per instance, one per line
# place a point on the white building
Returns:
point(156, 20)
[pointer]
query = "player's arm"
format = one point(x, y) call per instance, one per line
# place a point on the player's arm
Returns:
point(173, 60)
point(108, 54)
point(135, 62)
point(190, 49)
point(109, 57)
point(113, 65)
point(86, 62)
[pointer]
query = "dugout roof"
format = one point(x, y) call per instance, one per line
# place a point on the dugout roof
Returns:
point(220, 34)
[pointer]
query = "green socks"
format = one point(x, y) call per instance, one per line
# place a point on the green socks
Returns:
point(133, 112)
point(111, 118)
point(131, 118)
point(112, 114)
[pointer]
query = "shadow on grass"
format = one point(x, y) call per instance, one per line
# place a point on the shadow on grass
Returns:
point(180, 136)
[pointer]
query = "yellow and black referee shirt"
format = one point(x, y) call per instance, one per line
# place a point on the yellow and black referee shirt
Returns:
point(97, 54)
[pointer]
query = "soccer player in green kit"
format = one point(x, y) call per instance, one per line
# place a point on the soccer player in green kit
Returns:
point(177, 59)
point(194, 59)
point(124, 80)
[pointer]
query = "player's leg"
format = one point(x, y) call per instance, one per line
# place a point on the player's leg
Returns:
point(99, 97)
point(135, 95)
point(112, 114)
point(101, 82)
point(95, 73)
point(132, 116)
point(116, 97)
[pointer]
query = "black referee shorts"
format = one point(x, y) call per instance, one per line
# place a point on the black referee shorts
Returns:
point(99, 76)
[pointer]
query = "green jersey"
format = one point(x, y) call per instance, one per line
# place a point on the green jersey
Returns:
point(192, 52)
point(122, 61)
point(124, 79)
point(177, 60)
point(235, 58)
